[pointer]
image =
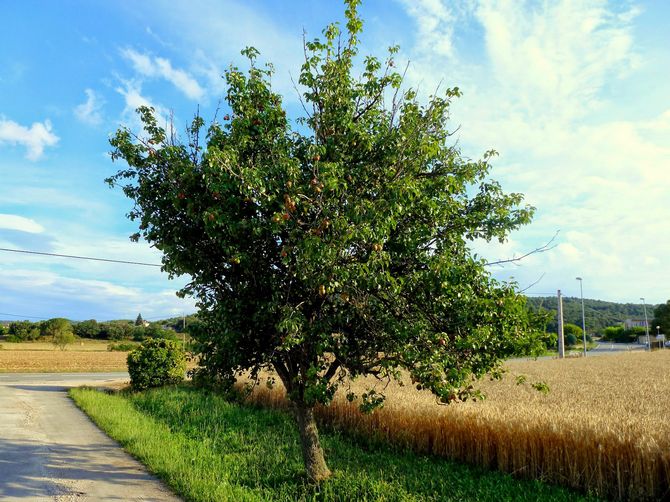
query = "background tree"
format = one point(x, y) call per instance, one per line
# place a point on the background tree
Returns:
point(22, 331)
point(662, 319)
point(60, 332)
point(87, 329)
point(63, 338)
point(336, 249)
point(139, 321)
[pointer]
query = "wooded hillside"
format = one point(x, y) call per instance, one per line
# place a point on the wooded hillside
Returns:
point(599, 314)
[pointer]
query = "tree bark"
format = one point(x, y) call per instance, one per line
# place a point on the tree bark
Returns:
point(312, 453)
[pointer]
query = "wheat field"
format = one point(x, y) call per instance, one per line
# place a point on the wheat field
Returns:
point(57, 361)
point(602, 428)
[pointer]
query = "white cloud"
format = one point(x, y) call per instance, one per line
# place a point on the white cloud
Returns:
point(35, 138)
point(53, 294)
point(553, 58)
point(89, 112)
point(435, 25)
point(131, 90)
point(157, 67)
point(595, 167)
point(20, 223)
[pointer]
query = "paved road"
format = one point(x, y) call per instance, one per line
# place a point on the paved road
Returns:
point(50, 451)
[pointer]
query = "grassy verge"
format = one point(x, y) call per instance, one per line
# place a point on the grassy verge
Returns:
point(207, 449)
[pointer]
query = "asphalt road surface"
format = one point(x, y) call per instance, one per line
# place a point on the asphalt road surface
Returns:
point(50, 450)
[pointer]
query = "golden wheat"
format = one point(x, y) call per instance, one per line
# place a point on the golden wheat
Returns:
point(602, 428)
point(61, 361)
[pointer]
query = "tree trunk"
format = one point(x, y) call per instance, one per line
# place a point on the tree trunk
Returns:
point(312, 453)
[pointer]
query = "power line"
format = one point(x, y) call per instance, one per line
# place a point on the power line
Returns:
point(163, 317)
point(25, 316)
point(80, 257)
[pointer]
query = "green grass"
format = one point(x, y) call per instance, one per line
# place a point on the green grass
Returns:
point(208, 449)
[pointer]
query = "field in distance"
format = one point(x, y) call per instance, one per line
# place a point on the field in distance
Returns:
point(44, 357)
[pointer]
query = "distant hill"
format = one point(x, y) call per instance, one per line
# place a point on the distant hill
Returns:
point(599, 314)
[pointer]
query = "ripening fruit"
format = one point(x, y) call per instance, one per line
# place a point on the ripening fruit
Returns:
point(377, 247)
point(284, 254)
point(235, 260)
point(211, 216)
point(276, 218)
point(344, 296)
point(181, 195)
point(289, 184)
point(226, 117)
point(316, 158)
point(286, 216)
point(322, 290)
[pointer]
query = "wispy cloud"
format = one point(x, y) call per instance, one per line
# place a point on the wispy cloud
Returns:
point(158, 67)
point(52, 294)
point(131, 90)
point(435, 21)
point(90, 111)
point(34, 138)
point(20, 223)
point(540, 94)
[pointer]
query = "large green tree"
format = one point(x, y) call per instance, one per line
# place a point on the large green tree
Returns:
point(335, 246)
point(662, 319)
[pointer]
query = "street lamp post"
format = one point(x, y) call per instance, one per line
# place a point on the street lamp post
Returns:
point(581, 290)
point(646, 323)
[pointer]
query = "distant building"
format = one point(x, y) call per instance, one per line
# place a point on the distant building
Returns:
point(634, 323)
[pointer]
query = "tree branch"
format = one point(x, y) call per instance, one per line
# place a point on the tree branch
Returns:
point(542, 249)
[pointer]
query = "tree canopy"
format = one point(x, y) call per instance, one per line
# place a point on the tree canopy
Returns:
point(334, 246)
point(662, 319)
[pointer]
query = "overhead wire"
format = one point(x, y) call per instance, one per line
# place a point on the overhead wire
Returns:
point(77, 257)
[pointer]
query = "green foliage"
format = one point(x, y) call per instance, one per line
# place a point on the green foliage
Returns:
point(63, 338)
point(116, 330)
point(620, 335)
point(338, 247)
point(571, 340)
point(54, 327)
point(87, 329)
point(156, 362)
point(177, 323)
point(208, 449)
point(22, 331)
point(60, 332)
point(572, 329)
point(354, 234)
point(662, 319)
point(121, 347)
point(599, 314)
point(152, 331)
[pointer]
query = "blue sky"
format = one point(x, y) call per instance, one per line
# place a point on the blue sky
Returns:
point(574, 96)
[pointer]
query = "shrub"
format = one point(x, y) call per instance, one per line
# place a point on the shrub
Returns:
point(570, 340)
point(155, 363)
point(121, 347)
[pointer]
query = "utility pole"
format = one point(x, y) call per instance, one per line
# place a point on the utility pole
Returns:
point(646, 324)
point(561, 340)
point(581, 290)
